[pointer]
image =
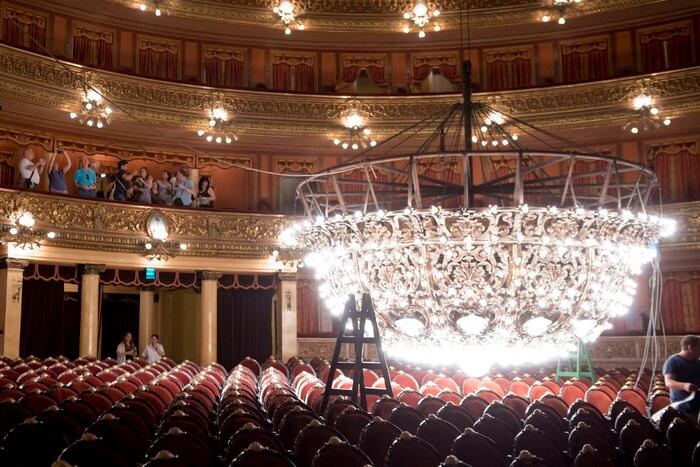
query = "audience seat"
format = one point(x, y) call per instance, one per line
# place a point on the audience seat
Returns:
point(439, 433)
point(376, 438)
point(336, 453)
point(411, 450)
point(477, 450)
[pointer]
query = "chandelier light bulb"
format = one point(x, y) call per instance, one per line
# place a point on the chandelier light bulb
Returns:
point(287, 30)
point(355, 146)
point(212, 122)
point(73, 115)
point(546, 18)
point(654, 111)
point(421, 34)
point(406, 29)
point(436, 28)
point(219, 113)
point(108, 110)
point(148, 245)
point(407, 15)
point(26, 220)
point(634, 130)
point(300, 26)
point(157, 12)
point(142, 7)
point(642, 101)
point(514, 137)
point(667, 121)
point(200, 132)
point(336, 141)
point(183, 246)
point(354, 120)
point(228, 140)
point(93, 96)
point(218, 139)
point(90, 123)
point(345, 145)
point(88, 105)
point(13, 231)
point(420, 8)
point(210, 138)
point(561, 20)
point(372, 143)
point(286, 7)
point(99, 124)
point(51, 235)
point(436, 13)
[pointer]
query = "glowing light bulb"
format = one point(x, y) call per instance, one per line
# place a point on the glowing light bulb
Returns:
point(336, 141)
point(345, 145)
point(355, 146)
point(13, 230)
point(219, 113)
point(436, 28)
point(210, 138)
point(148, 245)
point(420, 9)
point(373, 143)
point(26, 220)
point(546, 18)
point(654, 111)
point(200, 132)
point(142, 7)
point(90, 123)
point(634, 130)
point(228, 140)
point(158, 12)
point(300, 26)
point(667, 121)
point(99, 124)
point(108, 111)
point(641, 101)
point(183, 246)
point(421, 34)
point(287, 31)
point(51, 235)
point(561, 20)
point(406, 29)
point(218, 139)
point(88, 106)
point(73, 115)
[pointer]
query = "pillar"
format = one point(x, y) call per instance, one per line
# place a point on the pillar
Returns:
point(207, 316)
point(89, 309)
point(147, 316)
point(194, 176)
point(287, 300)
point(11, 304)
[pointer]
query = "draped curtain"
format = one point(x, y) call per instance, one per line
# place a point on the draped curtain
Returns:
point(422, 68)
point(223, 71)
point(20, 28)
point(509, 71)
point(420, 72)
point(7, 174)
point(293, 75)
point(50, 323)
point(350, 73)
point(307, 309)
point(665, 50)
point(678, 170)
point(158, 62)
point(680, 301)
point(585, 62)
point(376, 72)
point(244, 325)
point(93, 49)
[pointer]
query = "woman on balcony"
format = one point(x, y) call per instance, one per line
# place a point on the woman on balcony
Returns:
point(206, 195)
point(142, 187)
point(57, 174)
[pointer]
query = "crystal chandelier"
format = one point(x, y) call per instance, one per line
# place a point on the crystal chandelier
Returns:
point(93, 110)
point(21, 231)
point(154, 5)
point(525, 261)
point(358, 135)
point(219, 128)
point(419, 16)
point(647, 114)
point(288, 13)
point(559, 11)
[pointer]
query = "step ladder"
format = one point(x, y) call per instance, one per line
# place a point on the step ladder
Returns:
point(360, 320)
point(571, 366)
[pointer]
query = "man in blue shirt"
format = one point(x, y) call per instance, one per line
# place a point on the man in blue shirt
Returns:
point(682, 374)
point(85, 179)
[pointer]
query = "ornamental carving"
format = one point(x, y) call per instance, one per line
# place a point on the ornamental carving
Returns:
point(296, 165)
point(38, 80)
point(664, 32)
point(582, 46)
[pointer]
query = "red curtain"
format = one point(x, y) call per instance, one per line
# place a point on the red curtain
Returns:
point(448, 71)
point(509, 74)
point(421, 72)
point(350, 73)
point(376, 72)
point(586, 65)
point(659, 54)
point(7, 174)
point(280, 76)
point(304, 78)
point(93, 52)
point(679, 175)
point(224, 73)
point(20, 30)
point(679, 304)
point(307, 309)
point(158, 64)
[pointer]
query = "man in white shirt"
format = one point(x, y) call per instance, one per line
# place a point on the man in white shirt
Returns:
point(153, 351)
point(29, 172)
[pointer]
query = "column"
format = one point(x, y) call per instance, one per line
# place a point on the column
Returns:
point(207, 316)
point(194, 176)
point(11, 304)
point(287, 293)
point(89, 309)
point(147, 316)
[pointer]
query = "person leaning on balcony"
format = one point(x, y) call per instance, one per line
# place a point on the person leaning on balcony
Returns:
point(85, 179)
point(29, 171)
point(57, 174)
point(184, 188)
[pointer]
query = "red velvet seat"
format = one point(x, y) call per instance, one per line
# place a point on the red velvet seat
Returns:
point(37, 403)
point(11, 415)
point(248, 435)
point(570, 392)
point(537, 442)
point(601, 400)
point(351, 423)
point(376, 438)
point(475, 405)
point(413, 451)
point(336, 453)
point(119, 433)
point(187, 448)
point(406, 380)
point(384, 407)
point(409, 397)
point(439, 434)
point(407, 418)
point(311, 439)
point(477, 450)
point(429, 405)
point(292, 423)
point(456, 415)
point(189, 425)
point(258, 456)
point(520, 388)
point(34, 443)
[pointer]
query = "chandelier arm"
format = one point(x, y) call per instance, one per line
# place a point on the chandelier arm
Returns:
point(371, 188)
point(339, 194)
point(606, 183)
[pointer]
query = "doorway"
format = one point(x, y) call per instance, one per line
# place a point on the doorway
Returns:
point(119, 315)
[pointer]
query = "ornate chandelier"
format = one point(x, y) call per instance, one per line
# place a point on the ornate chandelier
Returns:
point(559, 10)
point(21, 231)
point(530, 257)
point(146, 5)
point(219, 129)
point(93, 110)
point(288, 12)
point(647, 114)
point(358, 135)
point(419, 16)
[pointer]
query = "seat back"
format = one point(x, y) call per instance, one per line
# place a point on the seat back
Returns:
point(413, 451)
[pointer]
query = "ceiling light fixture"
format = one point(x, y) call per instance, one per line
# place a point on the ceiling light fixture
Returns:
point(151, 5)
point(22, 233)
point(647, 115)
point(219, 128)
point(357, 134)
point(559, 10)
point(94, 111)
point(478, 283)
point(287, 13)
point(419, 16)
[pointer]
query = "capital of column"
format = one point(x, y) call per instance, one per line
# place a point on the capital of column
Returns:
point(147, 288)
point(93, 269)
point(13, 263)
point(288, 276)
point(209, 275)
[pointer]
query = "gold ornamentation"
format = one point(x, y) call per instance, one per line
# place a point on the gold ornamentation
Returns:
point(93, 269)
point(13, 263)
point(584, 45)
point(209, 275)
point(296, 165)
